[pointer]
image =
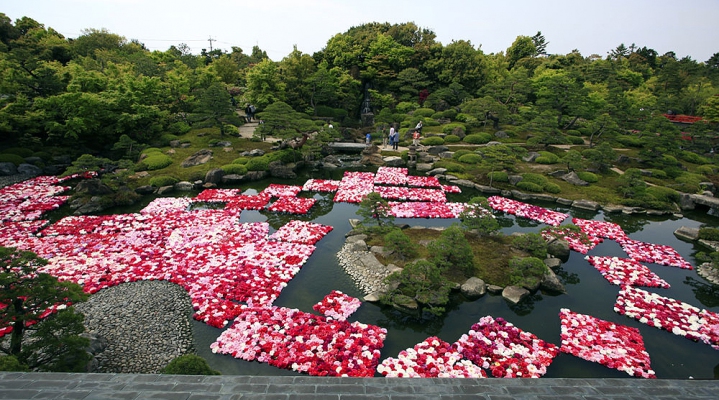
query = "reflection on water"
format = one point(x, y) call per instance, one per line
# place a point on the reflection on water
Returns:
point(587, 292)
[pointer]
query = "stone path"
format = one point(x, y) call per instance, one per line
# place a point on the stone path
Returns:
point(17, 385)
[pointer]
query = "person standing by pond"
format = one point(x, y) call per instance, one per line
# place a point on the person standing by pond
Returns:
point(393, 138)
point(368, 138)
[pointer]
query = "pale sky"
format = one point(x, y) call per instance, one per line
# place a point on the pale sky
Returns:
point(689, 27)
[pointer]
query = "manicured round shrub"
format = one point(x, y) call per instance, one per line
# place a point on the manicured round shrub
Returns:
point(498, 176)
point(452, 139)
point(20, 151)
point(257, 164)
point(587, 176)
point(574, 132)
point(530, 187)
point(693, 158)
point(551, 187)
point(13, 158)
point(470, 158)
point(658, 173)
point(663, 194)
point(167, 138)
point(537, 179)
point(707, 169)
point(179, 128)
point(189, 364)
point(437, 115)
point(450, 113)
point(459, 153)
point(42, 154)
point(575, 140)
point(157, 161)
point(423, 112)
point(238, 169)
point(630, 141)
point(450, 128)
point(478, 138)
point(451, 166)
point(151, 150)
point(432, 141)
point(241, 160)
point(546, 157)
point(163, 180)
point(707, 233)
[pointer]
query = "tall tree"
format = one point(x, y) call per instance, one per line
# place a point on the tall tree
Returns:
point(264, 85)
point(215, 105)
point(27, 295)
point(522, 47)
point(540, 44)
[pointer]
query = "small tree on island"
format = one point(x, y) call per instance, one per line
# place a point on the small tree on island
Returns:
point(452, 252)
point(477, 216)
point(25, 296)
point(375, 211)
point(421, 281)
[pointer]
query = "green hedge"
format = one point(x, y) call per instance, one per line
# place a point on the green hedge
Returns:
point(530, 187)
point(459, 153)
point(451, 166)
point(257, 164)
point(663, 194)
point(537, 179)
point(587, 176)
point(498, 176)
point(423, 112)
point(547, 157)
point(707, 169)
point(241, 160)
point(432, 141)
point(13, 158)
point(552, 187)
point(708, 233)
point(163, 180)
point(238, 169)
point(449, 128)
point(470, 158)
point(20, 151)
point(156, 161)
point(693, 158)
point(452, 139)
point(575, 140)
point(478, 138)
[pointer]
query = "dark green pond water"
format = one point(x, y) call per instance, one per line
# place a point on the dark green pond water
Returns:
point(587, 293)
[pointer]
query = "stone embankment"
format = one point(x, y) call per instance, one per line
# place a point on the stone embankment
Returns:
point(146, 324)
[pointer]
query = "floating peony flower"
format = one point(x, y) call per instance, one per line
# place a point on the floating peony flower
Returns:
point(506, 350)
point(277, 190)
point(622, 271)
point(321, 185)
point(337, 305)
point(217, 195)
point(391, 176)
point(292, 339)
point(612, 345)
point(525, 210)
point(578, 241)
point(423, 181)
point(679, 318)
point(601, 229)
point(410, 194)
point(432, 358)
point(301, 232)
point(248, 202)
point(354, 186)
point(451, 189)
point(653, 253)
point(292, 205)
point(423, 209)
point(166, 204)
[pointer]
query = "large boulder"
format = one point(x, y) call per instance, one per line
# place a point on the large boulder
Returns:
point(7, 169)
point(232, 179)
point(437, 171)
point(184, 186)
point(530, 157)
point(393, 161)
point(551, 283)
point(92, 187)
point(558, 248)
point(514, 294)
point(436, 150)
point(687, 233)
point(278, 169)
point(586, 205)
point(256, 175)
point(214, 175)
point(29, 169)
point(200, 157)
point(473, 288)
point(145, 189)
point(574, 179)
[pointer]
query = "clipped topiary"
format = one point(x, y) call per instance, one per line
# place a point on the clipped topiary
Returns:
point(530, 187)
point(470, 158)
point(241, 160)
point(537, 179)
point(258, 164)
point(423, 112)
point(432, 141)
point(498, 176)
point(189, 364)
point(552, 187)
point(459, 153)
point(587, 176)
point(450, 128)
point(163, 180)
point(452, 139)
point(478, 138)
point(238, 169)
point(13, 158)
point(156, 161)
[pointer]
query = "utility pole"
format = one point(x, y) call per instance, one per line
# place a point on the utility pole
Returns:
point(211, 40)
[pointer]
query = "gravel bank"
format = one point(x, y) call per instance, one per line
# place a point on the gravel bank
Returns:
point(11, 179)
point(146, 324)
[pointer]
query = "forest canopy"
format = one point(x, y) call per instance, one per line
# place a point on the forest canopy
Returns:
point(82, 95)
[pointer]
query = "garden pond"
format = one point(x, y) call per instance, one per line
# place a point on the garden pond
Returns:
point(587, 292)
